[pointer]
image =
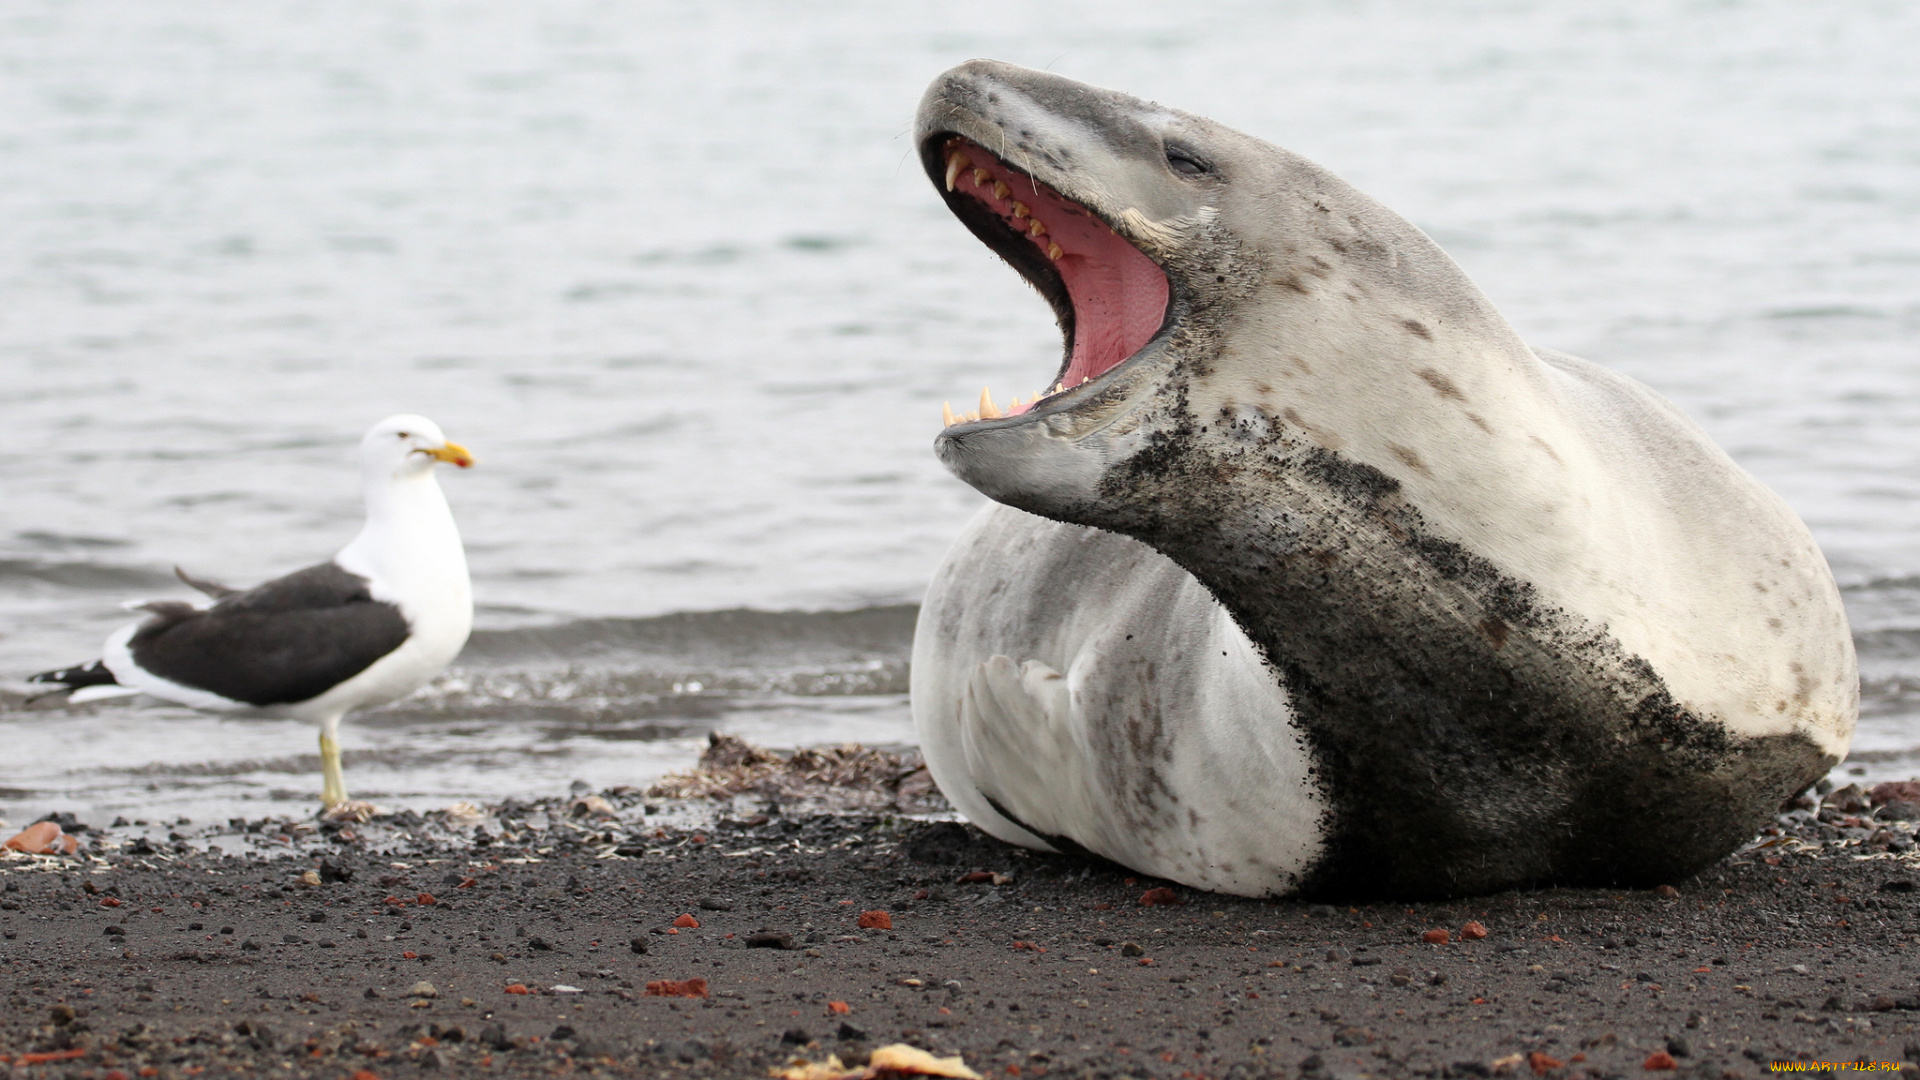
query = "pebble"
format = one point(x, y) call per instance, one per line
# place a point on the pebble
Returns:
point(423, 989)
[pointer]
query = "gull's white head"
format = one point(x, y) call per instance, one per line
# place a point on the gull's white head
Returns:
point(408, 445)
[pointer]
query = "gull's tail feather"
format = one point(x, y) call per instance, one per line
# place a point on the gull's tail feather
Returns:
point(83, 683)
point(73, 678)
point(213, 589)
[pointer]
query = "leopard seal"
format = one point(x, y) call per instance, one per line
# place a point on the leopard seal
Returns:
point(1307, 575)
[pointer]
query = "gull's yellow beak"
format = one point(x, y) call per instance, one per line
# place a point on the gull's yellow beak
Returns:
point(453, 454)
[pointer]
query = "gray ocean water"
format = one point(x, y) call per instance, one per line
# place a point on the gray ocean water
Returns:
point(672, 271)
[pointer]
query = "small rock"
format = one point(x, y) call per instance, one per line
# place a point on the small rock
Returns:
point(849, 1033)
point(114, 931)
point(637, 945)
point(875, 920)
point(423, 989)
point(1436, 937)
point(539, 944)
point(1473, 931)
point(1160, 896)
point(1848, 800)
point(1659, 1060)
point(687, 922)
point(593, 806)
point(1670, 893)
point(767, 939)
point(1678, 1047)
point(1900, 810)
point(317, 917)
point(1895, 791)
point(310, 877)
point(693, 988)
point(796, 1037)
point(716, 903)
point(1131, 948)
point(1901, 885)
point(372, 994)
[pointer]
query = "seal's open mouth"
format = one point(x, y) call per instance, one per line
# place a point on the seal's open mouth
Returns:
point(1109, 297)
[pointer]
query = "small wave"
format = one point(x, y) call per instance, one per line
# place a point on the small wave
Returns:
point(1902, 583)
point(738, 638)
point(81, 574)
point(1897, 643)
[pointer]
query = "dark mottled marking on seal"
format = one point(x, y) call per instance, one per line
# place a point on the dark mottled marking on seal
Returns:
point(1467, 735)
point(1441, 384)
point(291, 639)
point(1410, 459)
point(1417, 329)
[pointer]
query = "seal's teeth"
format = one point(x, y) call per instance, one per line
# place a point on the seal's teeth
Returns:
point(1036, 227)
point(987, 408)
point(1001, 190)
point(956, 161)
point(1054, 251)
point(980, 177)
point(1020, 209)
point(946, 414)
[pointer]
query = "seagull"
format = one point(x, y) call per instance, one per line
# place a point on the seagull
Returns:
point(370, 625)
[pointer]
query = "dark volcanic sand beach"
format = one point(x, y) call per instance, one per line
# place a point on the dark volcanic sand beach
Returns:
point(207, 955)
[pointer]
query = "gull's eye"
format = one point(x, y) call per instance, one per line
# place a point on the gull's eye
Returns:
point(1186, 163)
point(404, 435)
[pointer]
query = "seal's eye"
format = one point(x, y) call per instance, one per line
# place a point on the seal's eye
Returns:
point(1186, 163)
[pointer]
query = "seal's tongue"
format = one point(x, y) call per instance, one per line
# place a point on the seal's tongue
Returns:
point(1119, 295)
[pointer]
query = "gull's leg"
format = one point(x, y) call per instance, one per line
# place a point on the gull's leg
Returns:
point(333, 787)
point(334, 804)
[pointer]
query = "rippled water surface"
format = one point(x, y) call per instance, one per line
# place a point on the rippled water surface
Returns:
point(673, 272)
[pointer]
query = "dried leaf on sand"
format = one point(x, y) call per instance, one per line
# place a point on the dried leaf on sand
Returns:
point(887, 1062)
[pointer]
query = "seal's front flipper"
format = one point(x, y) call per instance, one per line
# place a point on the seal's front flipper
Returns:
point(1024, 750)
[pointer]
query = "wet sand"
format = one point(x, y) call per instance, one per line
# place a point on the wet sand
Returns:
point(209, 955)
